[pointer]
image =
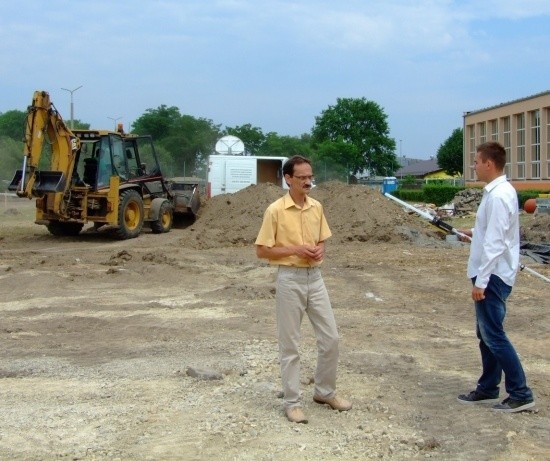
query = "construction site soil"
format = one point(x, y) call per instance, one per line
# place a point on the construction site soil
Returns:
point(164, 347)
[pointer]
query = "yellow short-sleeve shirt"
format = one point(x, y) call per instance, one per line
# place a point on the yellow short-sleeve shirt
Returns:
point(285, 224)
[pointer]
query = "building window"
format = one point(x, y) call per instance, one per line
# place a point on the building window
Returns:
point(506, 142)
point(535, 143)
point(494, 130)
point(520, 135)
point(471, 150)
point(482, 132)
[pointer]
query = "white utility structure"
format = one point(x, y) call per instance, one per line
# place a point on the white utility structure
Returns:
point(229, 171)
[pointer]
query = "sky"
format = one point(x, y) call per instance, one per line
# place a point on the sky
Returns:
point(276, 64)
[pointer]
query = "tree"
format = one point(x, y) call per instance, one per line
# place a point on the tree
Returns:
point(450, 155)
point(252, 137)
point(78, 125)
point(355, 134)
point(190, 140)
point(12, 124)
point(157, 122)
point(182, 140)
point(11, 159)
point(286, 146)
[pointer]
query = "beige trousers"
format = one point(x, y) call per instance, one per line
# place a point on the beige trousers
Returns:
point(299, 291)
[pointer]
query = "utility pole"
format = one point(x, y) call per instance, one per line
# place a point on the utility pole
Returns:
point(115, 120)
point(72, 105)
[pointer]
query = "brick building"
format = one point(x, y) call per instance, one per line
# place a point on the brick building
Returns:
point(523, 128)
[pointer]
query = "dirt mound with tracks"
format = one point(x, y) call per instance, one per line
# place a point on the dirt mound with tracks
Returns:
point(354, 213)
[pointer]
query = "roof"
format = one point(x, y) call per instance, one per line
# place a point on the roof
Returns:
point(421, 168)
point(544, 93)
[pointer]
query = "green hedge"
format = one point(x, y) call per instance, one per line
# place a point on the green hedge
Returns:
point(440, 194)
point(437, 194)
point(409, 195)
point(524, 195)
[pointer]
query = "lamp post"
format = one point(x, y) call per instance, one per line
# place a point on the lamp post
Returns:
point(72, 106)
point(115, 120)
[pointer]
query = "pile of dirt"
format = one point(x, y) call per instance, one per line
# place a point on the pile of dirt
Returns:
point(467, 201)
point(354, 213)
point(536, 229)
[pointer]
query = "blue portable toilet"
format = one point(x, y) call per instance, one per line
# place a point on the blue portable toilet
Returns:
point(389, 184)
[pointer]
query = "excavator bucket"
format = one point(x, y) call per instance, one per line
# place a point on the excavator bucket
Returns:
point(48, 181)
point(15, 183)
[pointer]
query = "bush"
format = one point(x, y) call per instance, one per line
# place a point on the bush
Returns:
point(524, 195)
point(409, 195)
point(440, 194)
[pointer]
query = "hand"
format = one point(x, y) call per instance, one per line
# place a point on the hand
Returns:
point(478, 294)
point(318, 253)
point(464, 235)
point(315, 253)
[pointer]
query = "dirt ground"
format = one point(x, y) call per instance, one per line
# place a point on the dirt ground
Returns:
point(100, 341)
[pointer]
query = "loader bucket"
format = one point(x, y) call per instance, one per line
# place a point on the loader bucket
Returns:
point(15, 183)
point(48, 181)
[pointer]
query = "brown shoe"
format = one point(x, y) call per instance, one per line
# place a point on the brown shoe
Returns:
point(336, 403)
point(296, 415)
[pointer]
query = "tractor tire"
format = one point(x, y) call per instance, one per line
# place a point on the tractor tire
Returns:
point(165, 220)
point(64, 229)
point(130, 215)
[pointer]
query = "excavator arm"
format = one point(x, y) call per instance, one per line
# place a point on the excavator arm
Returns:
point(44, 122)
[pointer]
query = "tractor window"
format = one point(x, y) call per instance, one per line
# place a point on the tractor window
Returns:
point(132, 160)
point(87, 164)
point(119, 158)
point(105, 164)
point(147, 156)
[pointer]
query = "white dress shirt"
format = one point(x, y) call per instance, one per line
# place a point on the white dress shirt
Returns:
point(495, 239)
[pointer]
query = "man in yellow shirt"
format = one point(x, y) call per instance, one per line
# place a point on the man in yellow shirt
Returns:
point(292, 237)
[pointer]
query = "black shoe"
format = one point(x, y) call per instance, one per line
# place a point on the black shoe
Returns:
point(475, 397)
point(513, 406)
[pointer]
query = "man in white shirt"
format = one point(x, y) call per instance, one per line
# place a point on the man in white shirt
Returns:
point(492, 267)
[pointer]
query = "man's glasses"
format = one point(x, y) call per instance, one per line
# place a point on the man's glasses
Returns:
point(304, 178)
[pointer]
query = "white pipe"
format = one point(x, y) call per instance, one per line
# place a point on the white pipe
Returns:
point(535, 273)
point(23, 173)
point(427, 215)
point(433, 219)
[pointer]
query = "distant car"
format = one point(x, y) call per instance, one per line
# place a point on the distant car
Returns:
point(187, 194)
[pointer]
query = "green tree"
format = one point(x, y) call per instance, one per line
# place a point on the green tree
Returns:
point(286, 146)
point(78, 125)
point(182, 141)
point(157, 122)
point(450, 154)
point(252, 137)
point(12, 124)
point(359, 132)
point(331, 160)
point(190, 141)
point(11, 159)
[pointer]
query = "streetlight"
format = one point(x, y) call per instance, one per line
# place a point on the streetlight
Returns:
point(115, 120)
point(72, 106)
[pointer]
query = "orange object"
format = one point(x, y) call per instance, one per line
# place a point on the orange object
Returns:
point(530, 205)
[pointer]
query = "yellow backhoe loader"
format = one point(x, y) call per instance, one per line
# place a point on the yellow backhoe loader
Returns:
point(108, 178)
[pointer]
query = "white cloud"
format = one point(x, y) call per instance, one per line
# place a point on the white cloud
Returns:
point(275, 63)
